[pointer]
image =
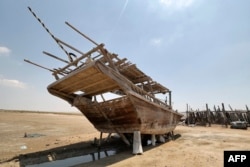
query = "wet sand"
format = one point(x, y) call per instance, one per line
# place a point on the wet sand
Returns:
point(198, 146)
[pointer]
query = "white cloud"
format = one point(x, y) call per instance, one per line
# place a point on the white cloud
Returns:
point(177, 4)
point(12, 83)
point(4, 51)
point(156, 41)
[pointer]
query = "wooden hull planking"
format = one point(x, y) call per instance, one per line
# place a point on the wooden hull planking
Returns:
point(128, 114)
point(131, 112)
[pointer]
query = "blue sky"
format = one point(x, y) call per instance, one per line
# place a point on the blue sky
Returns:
point(198, 49)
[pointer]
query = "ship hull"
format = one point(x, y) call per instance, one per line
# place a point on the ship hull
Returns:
point(128, 114)
point(132, 111)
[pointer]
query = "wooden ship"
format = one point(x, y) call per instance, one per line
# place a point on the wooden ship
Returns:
point(90, 75)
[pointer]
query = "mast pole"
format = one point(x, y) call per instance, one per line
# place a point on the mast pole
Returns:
point(40, 21)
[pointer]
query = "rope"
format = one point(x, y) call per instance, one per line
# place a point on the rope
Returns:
point(70, 58)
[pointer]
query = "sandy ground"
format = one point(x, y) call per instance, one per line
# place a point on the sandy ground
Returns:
point(197, 146)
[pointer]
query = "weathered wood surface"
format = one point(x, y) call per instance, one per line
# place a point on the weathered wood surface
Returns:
point(218, 116)
point(136, 110)
point(87, 75)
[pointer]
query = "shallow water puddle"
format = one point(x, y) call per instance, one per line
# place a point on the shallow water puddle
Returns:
point(76, 160)
point(33, 135)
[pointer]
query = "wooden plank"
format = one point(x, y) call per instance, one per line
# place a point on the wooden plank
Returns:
point(119, 62)
point(102, 90)
point(83, 82)
point(74, 78)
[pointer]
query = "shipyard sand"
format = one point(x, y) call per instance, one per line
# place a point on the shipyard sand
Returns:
point(198, 146)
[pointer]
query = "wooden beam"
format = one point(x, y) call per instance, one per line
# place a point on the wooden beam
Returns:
point(230, 107)
point(38, 65)
point(247, 108)
point(80, 58)
point(58, 58)
point(107, 56)
point(85, 36)
point(71, 47)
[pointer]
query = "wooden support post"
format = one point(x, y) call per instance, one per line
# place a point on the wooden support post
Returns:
point(106, 153)
point(208, 116)
point(218, 108)
point(247, 108)
point(124, 138)
point(100, 140)
point(224, 113)
point(187, 116)
point(137, 147)
point(153, 139)
point(108, 138)
point(230, 107)
point(56, 76)
point(215, 108)
point(170, 98)
point(93, 156)
point(95, 100)
point(161, 139)
point(166, 100)
point(99, 154)
point(108, 58)
point(103, 99)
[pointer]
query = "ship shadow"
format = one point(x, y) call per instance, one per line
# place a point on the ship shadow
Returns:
point(125, 154)
point(87, 150)
point(85, 153)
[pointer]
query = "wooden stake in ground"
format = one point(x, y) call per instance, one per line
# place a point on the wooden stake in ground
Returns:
point(224, 113)
point(208, 115)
